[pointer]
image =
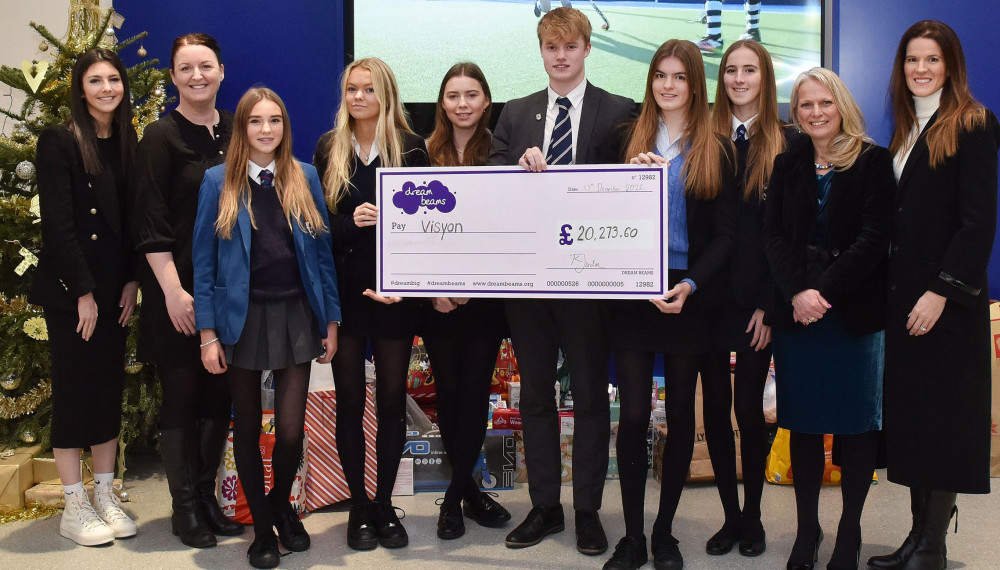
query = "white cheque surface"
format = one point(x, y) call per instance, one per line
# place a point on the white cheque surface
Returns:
point(571, 232)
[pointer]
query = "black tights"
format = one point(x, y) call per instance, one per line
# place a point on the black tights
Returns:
point(291, 385)
point(857, 458)
point(719, 397)
point(634, 370)
point(463, 372)
point(392, 361)
point(190, 393)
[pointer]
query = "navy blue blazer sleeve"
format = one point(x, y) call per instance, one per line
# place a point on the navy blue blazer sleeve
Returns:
point(205, 248)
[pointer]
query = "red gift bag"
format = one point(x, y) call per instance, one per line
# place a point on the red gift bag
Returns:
point(325, 483)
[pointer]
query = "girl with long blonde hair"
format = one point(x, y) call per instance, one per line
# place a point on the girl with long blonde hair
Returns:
point(265, 298)
point(674, 131)
point(370, 132)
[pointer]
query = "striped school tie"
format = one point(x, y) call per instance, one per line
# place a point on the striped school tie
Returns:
point(266, 179)
point(561, 143)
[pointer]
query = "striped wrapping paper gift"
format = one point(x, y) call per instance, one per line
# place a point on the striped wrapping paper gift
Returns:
point(325, 483)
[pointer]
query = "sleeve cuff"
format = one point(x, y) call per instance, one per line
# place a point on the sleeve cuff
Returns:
point(691, 283)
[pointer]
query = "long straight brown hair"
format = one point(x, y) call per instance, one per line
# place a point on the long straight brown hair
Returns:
point(82, 124)
point(959, 111)
point(766, 137)
point(441, 143)
point(703, 166)
point(289, 180)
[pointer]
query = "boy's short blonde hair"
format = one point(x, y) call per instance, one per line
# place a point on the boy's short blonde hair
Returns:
point(564, 24)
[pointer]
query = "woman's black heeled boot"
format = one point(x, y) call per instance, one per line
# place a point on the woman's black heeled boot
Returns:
point(918, 503)
point(930, 552)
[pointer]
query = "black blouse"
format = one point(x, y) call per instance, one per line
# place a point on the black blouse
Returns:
point(169, 166)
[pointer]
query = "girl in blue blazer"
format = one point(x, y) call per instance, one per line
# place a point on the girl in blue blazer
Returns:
point(265, 298)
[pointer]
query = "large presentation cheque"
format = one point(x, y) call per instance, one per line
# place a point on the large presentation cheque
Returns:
point(571, 232)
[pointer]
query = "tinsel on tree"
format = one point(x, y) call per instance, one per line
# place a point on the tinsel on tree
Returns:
point(25, 389)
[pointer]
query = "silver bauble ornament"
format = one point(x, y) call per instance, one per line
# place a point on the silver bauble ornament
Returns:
point(142, 52)
point(25, 170)
point(10, 382)
point(109, 31)
point(44, 46)
point(28, 436)
point(158, 92)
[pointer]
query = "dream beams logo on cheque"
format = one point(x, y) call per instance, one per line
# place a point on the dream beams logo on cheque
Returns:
point(433, 196)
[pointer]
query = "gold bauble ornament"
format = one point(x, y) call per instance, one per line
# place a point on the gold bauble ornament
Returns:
point(10, 382)
point(28, 436)
point(142, 52)
point(109, 31)
point(44, 46)
point(158, 92)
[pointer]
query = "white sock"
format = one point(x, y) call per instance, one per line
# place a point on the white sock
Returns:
point(74, 488)
point(102, 482)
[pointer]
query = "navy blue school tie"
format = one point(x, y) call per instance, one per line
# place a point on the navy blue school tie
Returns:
point(266, 179)
point(561, 143)
point(741, 133)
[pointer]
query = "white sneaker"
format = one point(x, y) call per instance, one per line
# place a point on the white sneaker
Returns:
point(109, 508)
point(81, 524)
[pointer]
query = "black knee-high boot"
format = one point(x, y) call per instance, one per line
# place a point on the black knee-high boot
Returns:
point(178, 447)
point(213, 440)
point(918, 503)
point(931, 552)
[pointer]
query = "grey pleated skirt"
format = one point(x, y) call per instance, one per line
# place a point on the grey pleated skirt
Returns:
point(276, 335)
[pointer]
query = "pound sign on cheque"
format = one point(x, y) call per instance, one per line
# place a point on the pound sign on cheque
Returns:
point(564, 238)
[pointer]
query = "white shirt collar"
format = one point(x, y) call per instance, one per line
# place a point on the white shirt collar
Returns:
point(735, 124)
point(575, 96)
point(254, 170)
point(357, 150)
point(668, 148)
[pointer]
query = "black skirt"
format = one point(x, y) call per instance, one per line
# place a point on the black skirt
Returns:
point(87, 379)
point(276, 335)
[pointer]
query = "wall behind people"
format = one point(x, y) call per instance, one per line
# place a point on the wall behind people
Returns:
point(296, 48)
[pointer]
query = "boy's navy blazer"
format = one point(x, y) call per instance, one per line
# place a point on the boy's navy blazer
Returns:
point(222, 266)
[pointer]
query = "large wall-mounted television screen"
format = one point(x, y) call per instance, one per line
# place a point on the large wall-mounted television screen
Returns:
point(421, 39)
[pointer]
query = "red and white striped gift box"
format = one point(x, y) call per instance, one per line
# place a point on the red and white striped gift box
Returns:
point(325, 483)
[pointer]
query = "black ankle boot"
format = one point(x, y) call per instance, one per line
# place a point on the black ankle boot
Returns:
point(918, 503)
point(212, 437)
point(930, 553)
point(178, 449)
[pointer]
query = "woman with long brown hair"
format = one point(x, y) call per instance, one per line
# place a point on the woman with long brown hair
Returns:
point(746, 112)
point(673, 129)
point(86, 285)
point(937, 381)
point(461, 334)
point(265, 298)
point(370, 131)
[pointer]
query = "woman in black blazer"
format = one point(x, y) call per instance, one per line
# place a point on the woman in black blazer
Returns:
point(826, 232)
point(86, 284)
point(370, 132)
point(937, 381)
point(673, 128)
point(462, 334)
point(746, 112)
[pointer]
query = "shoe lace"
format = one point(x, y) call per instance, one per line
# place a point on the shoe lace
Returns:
point(85, 513)
point(110, 506)
point(623, 551)
point(391, 508)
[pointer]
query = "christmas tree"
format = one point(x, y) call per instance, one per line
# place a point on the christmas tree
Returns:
point(25, 406)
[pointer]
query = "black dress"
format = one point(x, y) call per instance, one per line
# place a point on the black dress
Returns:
point(354, 249)
point(169, 166)
point(85, 249)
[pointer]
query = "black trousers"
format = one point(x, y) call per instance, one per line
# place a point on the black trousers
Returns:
point(539, 328)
